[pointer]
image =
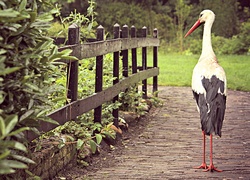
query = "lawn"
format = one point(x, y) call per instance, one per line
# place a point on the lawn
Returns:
point(176, 70)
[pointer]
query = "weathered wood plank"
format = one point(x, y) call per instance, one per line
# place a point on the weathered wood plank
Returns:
point(93, 49)
point(107, 94)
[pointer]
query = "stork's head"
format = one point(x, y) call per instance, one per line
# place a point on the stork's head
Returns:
point(205, 16)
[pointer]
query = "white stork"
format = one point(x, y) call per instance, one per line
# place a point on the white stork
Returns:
point(209, 87)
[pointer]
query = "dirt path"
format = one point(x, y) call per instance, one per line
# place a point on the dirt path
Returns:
point(170, 144)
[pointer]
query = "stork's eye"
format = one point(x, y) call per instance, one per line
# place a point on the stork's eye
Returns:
point(201, 15)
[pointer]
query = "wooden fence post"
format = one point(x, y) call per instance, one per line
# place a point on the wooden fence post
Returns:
point(125, 52)
point(99, 75)
point(133, 51)
point(155, 62)
point(134, 58)
point(144, 64)
point(115, 112)
point(72, 67)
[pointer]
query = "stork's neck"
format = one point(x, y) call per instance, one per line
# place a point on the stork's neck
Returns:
point(207, 49)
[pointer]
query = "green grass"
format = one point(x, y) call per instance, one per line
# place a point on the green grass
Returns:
point(176, 70)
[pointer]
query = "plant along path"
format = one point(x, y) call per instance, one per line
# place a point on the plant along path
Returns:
point(171, 143)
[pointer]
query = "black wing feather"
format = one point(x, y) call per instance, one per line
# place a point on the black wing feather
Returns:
point(212, 106)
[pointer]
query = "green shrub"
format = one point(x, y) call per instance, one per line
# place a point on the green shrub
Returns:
point(58, 29)
point(196, 46)
point(244, 37)
point(86, 23)
point(27, 58)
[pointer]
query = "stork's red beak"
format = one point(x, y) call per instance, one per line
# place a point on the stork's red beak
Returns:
point(196, 25)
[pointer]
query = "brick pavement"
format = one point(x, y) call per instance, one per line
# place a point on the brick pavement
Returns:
point(171, 143)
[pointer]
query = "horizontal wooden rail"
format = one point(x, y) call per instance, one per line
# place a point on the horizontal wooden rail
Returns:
point(78, 107)
point(87, 50)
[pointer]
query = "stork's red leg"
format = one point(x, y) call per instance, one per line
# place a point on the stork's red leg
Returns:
point(203, 164)
point(211, 166)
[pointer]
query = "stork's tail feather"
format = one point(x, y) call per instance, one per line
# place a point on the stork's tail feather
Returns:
point(212, 120)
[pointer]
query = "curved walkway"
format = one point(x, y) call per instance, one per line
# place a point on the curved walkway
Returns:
point(171, 143)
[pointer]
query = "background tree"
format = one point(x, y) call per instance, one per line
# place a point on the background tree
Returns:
point(227, 22)
point(171, 17)
point(138, 13)
point(182, 11)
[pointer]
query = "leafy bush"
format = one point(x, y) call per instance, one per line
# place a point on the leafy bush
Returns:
point(244, 37)
point(27, 58)
point(195, 46)
point(30, 83)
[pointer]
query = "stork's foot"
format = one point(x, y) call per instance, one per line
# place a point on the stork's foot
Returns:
point(202, 166)
point(211, 168)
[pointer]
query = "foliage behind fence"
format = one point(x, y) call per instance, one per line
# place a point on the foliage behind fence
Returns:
point(120, 45)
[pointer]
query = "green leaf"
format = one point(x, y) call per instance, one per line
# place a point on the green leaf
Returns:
point(19, 30)
point(2, 51)
point(8, 13)
point(58, 99)
point(6, 170)
point(109, 134)
point(98, 138)
point(18, 131)
point(79, 144)
point(11, 122)
point(2, 128)
point(4, 155)
point(9, 70)
point(33, 16)
point(26, 115)
point(20, 146)
point(22, 5)
point(92, 146)
point(66, 52)
point(42, 112)
point(89, 26)
point(33, 87)
point(61, 144)
point(43, 45)
point(50, 121)
point(54, 50)
point(31, 103)
point(34, 8)
point(23, 159)
point(45, 17)
point(13, 164)
point(13, 145)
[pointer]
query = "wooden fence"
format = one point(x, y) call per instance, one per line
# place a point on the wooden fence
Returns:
point(119, 46)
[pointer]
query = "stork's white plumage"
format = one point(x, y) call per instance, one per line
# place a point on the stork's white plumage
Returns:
point(209, 86)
